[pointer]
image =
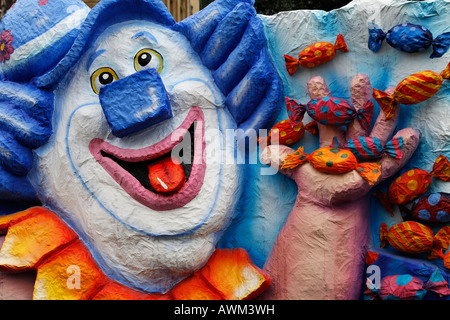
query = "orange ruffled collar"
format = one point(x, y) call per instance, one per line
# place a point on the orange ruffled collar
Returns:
point(37, 239)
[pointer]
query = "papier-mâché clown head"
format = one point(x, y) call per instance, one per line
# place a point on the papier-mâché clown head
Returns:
point(119, 93)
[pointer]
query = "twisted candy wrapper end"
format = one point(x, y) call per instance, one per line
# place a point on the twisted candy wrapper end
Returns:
point(441, 168)
point(292, 64)
point(440, 45)
point(384, 230)
point(445, 74)
point(386, 102)
point(295, 159)
point(394, 148)
point(383, 198)
point(295, 111)
point(340, 43)
point(441, 242)
point(365, 114)
point(376, 37)
point(369, 171)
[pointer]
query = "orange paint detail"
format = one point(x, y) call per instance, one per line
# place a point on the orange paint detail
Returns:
point(413, 237)
point(315, 54)
point(400, 193)
point(371, 257)
point(333, 160)
point(53, 279)
point(66, 269)
point(116, 291)
point(32, 236)
point(295, 159)
point(414, 89)
point(416, 182)
point(8, 220)
point(447, 260)
point(195, 288)
point(231, 272)
point(283, 133)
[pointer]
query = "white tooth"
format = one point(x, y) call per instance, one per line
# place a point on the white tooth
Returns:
point(162, 183)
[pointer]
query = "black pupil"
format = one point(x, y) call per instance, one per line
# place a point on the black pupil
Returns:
point(144, 59)
point(106, 78)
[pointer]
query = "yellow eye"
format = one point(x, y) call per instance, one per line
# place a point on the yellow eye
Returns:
point(102, 77)
point(148, 58)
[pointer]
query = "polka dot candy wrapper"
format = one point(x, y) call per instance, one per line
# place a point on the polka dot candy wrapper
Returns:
point(433, 208)
point(315, 54)
point(406, 287)
point(408, 37)
point(334, 161)
point(413, 183)
point(329, 111)
point(415, 238)
point(284, 133)
point(414, 89)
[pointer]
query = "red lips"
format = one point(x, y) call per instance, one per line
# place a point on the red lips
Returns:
point(170, 188)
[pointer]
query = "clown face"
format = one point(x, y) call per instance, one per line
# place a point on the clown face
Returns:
point(135, 164)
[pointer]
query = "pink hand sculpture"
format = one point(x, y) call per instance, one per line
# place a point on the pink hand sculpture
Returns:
point(320, 250)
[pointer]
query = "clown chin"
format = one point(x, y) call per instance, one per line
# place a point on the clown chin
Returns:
point(155, 264)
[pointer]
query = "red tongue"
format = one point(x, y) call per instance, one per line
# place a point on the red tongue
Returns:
point(166, 175)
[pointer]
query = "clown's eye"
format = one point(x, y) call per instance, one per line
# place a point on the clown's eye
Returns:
point(102, 77)
point(148, 58)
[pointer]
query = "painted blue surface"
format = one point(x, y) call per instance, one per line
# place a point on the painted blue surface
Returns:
point(98, 19)
point(28, 20)
point(410, 38)
point(267, 198)
point(25, 124)
point(273, 196)
point(235, 51)
point(135, 102)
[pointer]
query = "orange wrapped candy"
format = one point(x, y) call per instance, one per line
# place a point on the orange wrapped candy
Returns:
point(285, 133)
point(414, 237)
point(413, 183)
point(414, 89)
point(315, 54)
point(333, 160)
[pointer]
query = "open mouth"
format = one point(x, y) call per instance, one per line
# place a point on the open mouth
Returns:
point(163, 176)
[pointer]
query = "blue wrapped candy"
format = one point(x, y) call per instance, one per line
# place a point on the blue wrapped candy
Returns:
point(408, 37)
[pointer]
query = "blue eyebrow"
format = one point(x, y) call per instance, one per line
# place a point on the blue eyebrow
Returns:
point(145, 34)
point(93, 57)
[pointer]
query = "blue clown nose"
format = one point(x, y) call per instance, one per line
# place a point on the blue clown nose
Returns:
point(135, 102)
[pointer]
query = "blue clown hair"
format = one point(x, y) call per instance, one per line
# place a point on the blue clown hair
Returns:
point(228, 36)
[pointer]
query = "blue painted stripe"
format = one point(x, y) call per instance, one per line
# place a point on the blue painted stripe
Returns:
point(14, 157)
point(365, 147)
point(15, 188)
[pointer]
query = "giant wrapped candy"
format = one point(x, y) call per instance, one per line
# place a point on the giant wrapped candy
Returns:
point(433, 208)
point(414, 89)
point(407, 287)
point(284, 133)
point(408, 37)
point(315, 54)
point(369, 148)
point(330, 111)
point(414, 237)
point(413, 183)
point(333, 160)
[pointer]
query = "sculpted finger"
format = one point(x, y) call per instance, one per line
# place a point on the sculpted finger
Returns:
point(389, 166)
point(361, 92)
point(274, 156)
point(384, 128)
point(317, 89)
